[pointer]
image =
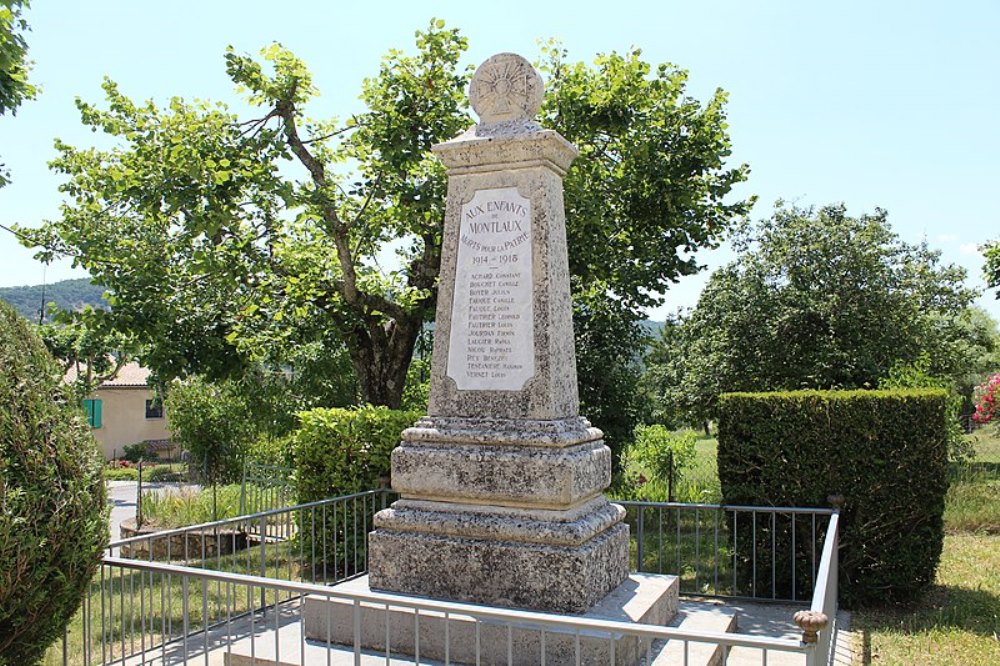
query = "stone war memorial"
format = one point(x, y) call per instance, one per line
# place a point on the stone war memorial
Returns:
point(501, 484)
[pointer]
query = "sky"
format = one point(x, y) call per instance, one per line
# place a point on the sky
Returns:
point(888, 104)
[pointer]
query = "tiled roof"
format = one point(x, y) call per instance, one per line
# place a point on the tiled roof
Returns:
point(131, 375)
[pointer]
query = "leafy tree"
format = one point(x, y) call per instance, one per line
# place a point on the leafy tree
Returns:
point(216, 252)
point(918, 375)
point(211, 422)
point(816, 299)
point(991, 270)
point(85, 343)
point(608, 367)
point(14, 64)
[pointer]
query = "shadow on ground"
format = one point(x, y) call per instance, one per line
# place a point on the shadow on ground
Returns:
point(944, 606)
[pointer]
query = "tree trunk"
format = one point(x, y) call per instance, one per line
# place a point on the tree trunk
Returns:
point(381, 353)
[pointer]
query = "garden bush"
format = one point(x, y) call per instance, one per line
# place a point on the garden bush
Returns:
point(157, 473)
point(885, 451)
point(139, 452)
point(212, 423)
point(272, 451)
point(121, 474)
point(341, 452)
point(663, 454)
point(53, 505)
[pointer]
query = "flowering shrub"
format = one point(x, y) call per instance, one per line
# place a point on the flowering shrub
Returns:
point(987, 397)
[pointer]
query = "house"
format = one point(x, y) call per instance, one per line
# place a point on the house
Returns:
point(124, 411)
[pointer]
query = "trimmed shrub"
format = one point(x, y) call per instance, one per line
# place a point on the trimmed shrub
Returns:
point(53, 505)
point(885, 451)
point(341, 452)
point(121, 474)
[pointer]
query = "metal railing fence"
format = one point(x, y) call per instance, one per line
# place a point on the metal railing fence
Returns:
point(169, 614)
point(265, 487)
point(163, 592)
point(752, 552)
point(825, 602)
point(322, 541)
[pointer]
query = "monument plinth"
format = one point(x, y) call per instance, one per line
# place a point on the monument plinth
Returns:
point(501, 483)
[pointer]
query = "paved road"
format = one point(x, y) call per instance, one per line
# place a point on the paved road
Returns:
point(122, 497)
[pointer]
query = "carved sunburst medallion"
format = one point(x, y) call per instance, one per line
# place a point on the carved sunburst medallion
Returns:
point(506, 87)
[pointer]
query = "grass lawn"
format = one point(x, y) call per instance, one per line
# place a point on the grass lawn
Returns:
point(958, 621)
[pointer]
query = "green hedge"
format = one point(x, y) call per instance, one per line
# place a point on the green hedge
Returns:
point(341, 452)
point(885, 451)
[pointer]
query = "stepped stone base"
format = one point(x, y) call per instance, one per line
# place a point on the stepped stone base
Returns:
point(642, 598)
point(505, 512)
point(564, 579)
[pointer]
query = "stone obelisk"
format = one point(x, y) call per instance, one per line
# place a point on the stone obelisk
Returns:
point(501, 484)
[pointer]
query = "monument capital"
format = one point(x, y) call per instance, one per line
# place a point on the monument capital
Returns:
point(506, 88)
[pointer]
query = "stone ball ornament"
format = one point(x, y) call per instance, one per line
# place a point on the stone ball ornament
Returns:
point(506, 88)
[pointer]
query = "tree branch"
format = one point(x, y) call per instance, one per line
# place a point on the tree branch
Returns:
point(338, 230)
point(342, 130)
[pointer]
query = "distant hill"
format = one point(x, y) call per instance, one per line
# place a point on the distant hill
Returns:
point(66, 294)
point(653, 328)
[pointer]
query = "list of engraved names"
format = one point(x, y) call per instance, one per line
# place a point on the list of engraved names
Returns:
point(492, 342)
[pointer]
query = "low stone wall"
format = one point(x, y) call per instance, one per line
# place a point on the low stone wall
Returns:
point(191, 545)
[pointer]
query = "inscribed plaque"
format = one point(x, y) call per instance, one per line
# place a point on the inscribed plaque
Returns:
point(492, 342)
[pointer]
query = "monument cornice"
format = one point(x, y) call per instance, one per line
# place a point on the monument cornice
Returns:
point(472, 153)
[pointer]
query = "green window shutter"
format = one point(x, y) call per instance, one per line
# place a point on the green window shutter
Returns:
point(93, 409)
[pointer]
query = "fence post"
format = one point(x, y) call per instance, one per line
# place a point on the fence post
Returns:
point(262, 527)
point(384, 487)
point(243, 491)
point(640, 538)
point(138, 499)
point(670, 476)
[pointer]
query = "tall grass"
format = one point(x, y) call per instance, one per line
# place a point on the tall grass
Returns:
point(973, 501)
point(698, 483)
point(190, 506)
